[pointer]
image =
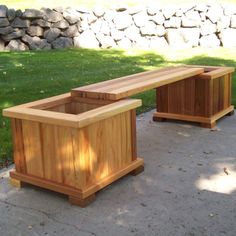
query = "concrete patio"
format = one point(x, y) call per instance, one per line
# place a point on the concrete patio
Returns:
point(188, 188)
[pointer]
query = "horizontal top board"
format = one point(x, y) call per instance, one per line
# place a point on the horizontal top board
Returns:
point(126, 86)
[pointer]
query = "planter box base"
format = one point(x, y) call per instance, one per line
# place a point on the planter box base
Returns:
point(204, 121)
point(80, 197)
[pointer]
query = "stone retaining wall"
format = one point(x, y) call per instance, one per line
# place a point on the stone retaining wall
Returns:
point(142, 27)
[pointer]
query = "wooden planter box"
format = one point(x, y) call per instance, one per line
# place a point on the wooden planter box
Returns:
point(203, 98)
point(74, 146)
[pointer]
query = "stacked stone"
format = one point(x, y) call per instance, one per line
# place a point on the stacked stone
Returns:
point(188, 25)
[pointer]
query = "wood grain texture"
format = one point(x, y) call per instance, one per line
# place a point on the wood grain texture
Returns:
point(128, 86)
point(73, 159)
point(196, 98)
point(18, 146)
point(33, 148)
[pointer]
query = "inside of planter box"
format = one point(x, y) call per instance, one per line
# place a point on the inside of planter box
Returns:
point(73, 105)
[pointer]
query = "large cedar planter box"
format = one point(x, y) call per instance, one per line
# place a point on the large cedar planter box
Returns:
point(203, 98)
point(73, 145)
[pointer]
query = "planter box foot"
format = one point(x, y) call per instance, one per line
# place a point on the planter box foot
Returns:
point(16, 183)
point(208, 125)
point(82, 202)
point(158, 119)
point(137, 171)
point(230, 113)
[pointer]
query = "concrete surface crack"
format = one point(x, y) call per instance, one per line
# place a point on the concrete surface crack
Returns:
point(49, 216)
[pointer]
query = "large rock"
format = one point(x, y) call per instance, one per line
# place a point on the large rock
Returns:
point(202, 7)
point(124, 43)
point(51, 34)
point(183, 37)
point(233, 21)
point(169, 11)
point(148, 29)
point(153, 10)
point(158, 18)
point(117, 34)
point(142, 43)
point(91, 18)
point(99, 11)
point(86, 40)
point(160, 30)
point(223, 23)
point(17, 45)
point(19, 13)
point(3, 11)
point(17, 33)
point(135, 9)
point(209, 41)
point(36, 43)
point(71, 32)
point(2, 45)
point(157, 42)
point(19, 23)
point(63, 24)
point(11, 13)
point(191, 36)
point(42, 23)
point(214, 13)
point(35, 31)
point(187, 7)
point(83, 25)
point(207, 28)
point(106, 41)
point(132, 33)
point(191, 19)
point(229, 9)
point(32, 14)
point(179, 13)
point(4, 22)
point(173, 22)
point(52, 16)
point(228, 37)
point(72, 16)
point(105, 28)
point(62, 42)
point(122, 20)
point(140, 19)
point(6, 30)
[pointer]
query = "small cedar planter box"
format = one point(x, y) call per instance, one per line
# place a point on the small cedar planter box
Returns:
point(73, 145)
point(203, 98)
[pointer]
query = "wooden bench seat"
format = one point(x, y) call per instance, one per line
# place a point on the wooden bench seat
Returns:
point(130, 85)
point(188, 92)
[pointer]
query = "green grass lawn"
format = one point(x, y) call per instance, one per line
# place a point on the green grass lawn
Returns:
point(22, 4)
point(29, 76)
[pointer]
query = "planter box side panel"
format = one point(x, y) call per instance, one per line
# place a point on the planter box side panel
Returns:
point(109, 146)
point(195, 96)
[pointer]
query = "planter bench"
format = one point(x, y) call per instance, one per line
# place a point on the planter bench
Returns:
point(191, 93)
point(73, 145)
point(79, 142)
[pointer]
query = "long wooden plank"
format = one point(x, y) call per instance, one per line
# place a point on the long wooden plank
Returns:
point(137, 79)
point(48, 117)
point(33, 148)
point(124, 78)
point(17, 137)
point(141, 86)
point(107, 111)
